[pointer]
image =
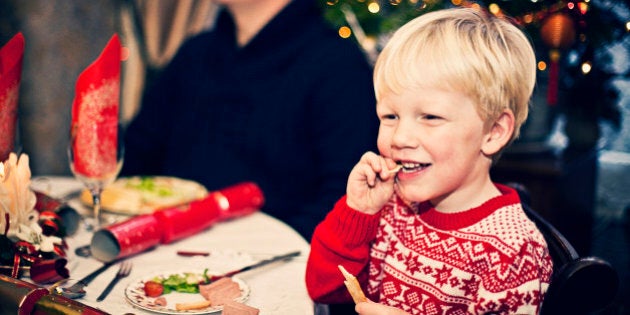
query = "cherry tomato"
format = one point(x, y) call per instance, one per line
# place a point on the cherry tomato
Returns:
point(153, 289)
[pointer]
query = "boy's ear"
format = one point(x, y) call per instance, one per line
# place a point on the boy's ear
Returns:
point(499, 134)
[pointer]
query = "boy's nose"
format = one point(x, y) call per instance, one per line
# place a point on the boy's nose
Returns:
point(405, 136)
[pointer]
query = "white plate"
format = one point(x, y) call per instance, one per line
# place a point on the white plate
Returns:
point(143, 195)
point(134, 293)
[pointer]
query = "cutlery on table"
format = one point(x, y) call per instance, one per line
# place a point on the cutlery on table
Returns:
point(124, 271)
point(76, 290)
point(256, 265)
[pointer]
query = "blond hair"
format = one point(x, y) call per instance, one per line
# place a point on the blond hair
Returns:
point(486, 57)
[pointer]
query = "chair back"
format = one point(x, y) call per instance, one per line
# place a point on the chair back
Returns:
point(579, 285)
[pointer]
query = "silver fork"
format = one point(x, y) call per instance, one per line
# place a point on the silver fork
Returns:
point(125, 270)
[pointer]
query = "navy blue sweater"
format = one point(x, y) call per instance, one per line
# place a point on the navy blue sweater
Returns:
point(293, 111)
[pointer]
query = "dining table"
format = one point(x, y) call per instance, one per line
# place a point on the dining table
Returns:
point(276, 288)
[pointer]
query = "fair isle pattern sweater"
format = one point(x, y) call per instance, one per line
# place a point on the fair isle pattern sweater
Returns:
point(488, 260)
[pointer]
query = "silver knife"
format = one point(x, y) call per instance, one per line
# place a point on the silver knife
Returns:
point(256, 265)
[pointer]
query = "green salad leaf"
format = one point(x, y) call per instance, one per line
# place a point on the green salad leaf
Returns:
point(187, 282)
point(148, 184)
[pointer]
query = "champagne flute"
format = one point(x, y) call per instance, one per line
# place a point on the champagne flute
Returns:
point(96, 155)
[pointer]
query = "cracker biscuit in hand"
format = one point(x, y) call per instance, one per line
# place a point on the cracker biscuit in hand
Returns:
point(352, 284)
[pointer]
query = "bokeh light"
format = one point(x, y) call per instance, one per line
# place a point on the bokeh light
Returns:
point(374, 7)
point(586, 67)
point(494, 8)
point(345, 32)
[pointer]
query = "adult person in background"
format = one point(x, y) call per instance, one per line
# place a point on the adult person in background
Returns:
point(272, 95)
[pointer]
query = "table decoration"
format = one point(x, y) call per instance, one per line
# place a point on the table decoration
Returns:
point(25, 298)
point(96, 147)
point(26, 248)
point(142, 232)
point(56, 216)
point(11, 56)
point(18, 297)
point(57, 304)
point(228, 203)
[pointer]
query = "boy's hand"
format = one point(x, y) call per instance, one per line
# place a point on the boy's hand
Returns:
point(371, 308)
point(371, 183)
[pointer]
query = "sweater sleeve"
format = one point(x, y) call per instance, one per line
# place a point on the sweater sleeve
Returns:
point(343, 238)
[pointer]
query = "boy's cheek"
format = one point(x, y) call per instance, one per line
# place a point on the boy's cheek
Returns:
point(384, 146)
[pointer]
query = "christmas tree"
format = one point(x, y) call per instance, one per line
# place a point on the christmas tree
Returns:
point(573, 40)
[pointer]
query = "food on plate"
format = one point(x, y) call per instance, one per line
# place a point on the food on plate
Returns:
point(153, 288)
point(216, 291)
point(220, 291)
point(143, 195)
point(352, 284)
point(186, 282)
point(236, 308)
point(192, 305)
point(189, 289)
point(160, 301)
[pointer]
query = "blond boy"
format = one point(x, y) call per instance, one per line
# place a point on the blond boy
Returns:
point(422, 225)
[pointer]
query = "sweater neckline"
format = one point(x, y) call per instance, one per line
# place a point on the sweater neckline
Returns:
point(462, 219)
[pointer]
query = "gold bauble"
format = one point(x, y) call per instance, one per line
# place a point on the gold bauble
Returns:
point(558, 31)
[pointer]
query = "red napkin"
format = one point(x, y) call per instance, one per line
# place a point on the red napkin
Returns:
point(94, 127)
point(11, 55)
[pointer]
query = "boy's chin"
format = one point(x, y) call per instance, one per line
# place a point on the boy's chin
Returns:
point(407, 194)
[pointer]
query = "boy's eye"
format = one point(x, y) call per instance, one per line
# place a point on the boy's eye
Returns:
point(431, 117)
point(389, 117)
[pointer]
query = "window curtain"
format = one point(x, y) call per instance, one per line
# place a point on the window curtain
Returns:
point(152, 32)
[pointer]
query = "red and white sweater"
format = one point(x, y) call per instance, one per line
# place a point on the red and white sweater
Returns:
point(489, 259)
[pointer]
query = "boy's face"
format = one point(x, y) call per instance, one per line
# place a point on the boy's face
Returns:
point(437, 135)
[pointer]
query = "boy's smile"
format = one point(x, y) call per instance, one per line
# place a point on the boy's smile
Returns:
point(437, 136)
point(413, 167)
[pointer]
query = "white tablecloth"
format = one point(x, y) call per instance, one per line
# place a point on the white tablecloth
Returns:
point(277, 288)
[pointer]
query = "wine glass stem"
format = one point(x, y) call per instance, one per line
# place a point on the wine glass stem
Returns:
point(96, 200)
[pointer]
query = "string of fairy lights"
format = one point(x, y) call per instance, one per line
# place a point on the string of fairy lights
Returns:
point(559, 26)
